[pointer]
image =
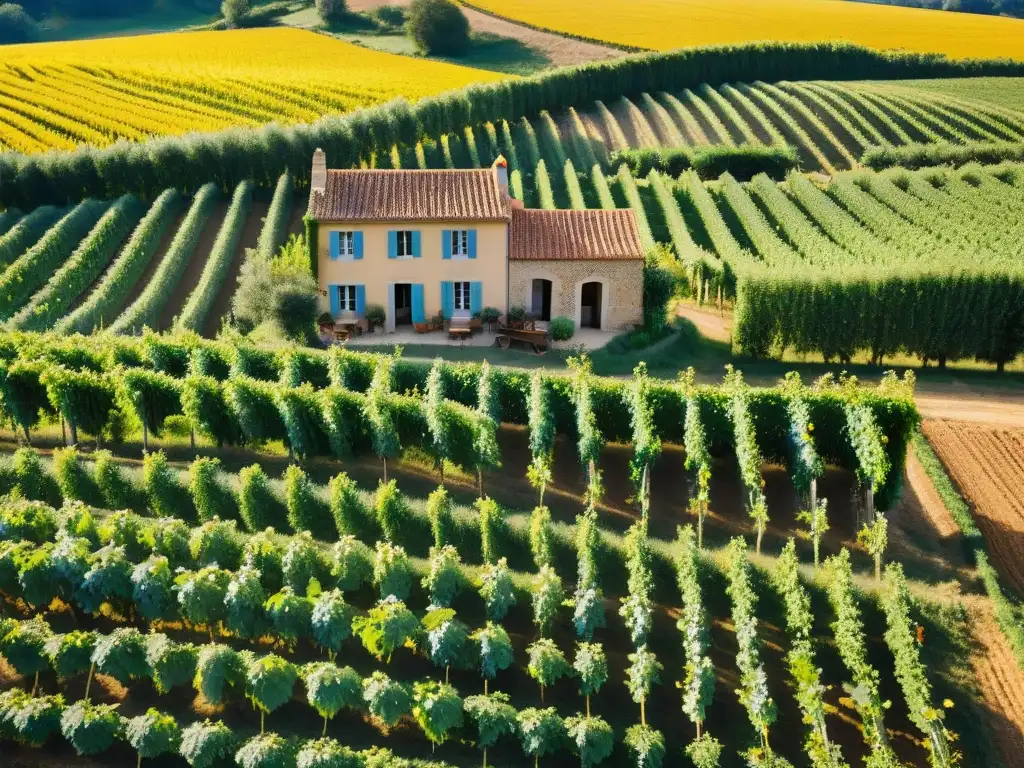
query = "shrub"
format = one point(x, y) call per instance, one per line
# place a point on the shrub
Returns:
point(745, 161)
point(257, 504)
point(235, 11)
point(562, 328)
point(306, 509)
point(16, 26)
point(375, 315)
point(167, 496)
point(389, 16)
point(115, 489)
point(331, 10)
point(209, 492)
point(439, 27)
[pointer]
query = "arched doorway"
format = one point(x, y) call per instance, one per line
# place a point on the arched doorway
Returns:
point(540, 299)
point(590, 305)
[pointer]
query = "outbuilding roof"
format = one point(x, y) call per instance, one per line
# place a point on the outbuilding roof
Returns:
point(574, 235)
point(413, 195)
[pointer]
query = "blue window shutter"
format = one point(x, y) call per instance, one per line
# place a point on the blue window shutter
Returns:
point(418, 315)
point(335, 297)
point(471, 237)
point(446, 244)
point(335, 245)
point(357, 244)
point(476, 296)
point(447, 298)
point(416, 242)
point(392, 244)
point(360, 299)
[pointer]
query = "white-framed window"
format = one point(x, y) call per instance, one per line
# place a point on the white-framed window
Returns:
point(461, 296)
point(346, 245)
point(460, 243)
point(404, 243)
point(347, 298)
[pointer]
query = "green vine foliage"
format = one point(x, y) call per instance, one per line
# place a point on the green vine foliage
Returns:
point(637, 609)
point(589, 441)
point(548, 596)
point(301, 410)
point(805, 464)
point(386, 627)
point(698, 458)
point(911, 672)
point(646, 746)
point(588, 600)
point(386, 443)
point(646, 443)
point(152, 396)
point(699, 682)
point(806, 676)
point(86, 399)
point(439, 512)
point(753, 691)
point(392, 571)
point(867, 439)
point(494, 649)
point(254, 404)
point(747, 454)
point(541, 419)
point(23, 393)
point(437, 708)
point(498, 590)
point(488, 411)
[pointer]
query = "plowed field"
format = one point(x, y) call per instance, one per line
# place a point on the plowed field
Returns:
point(987, 463)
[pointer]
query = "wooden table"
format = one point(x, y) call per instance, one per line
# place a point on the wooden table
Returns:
point(459, 334)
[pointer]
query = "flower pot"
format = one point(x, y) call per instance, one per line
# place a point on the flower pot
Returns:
point(422, 327)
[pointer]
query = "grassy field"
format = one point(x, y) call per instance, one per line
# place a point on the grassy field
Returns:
point(1001, 91)
point(667, 24)
point(59, 95)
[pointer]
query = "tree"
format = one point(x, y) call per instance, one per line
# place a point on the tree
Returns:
point(234, 11)
point(547, 664)
point(817, 520)
point(70, 654)
point(122, 655)
point(331, 621)
point(437, 709)
point(646, 746)
point(444, 578)
point(548, 596)
point(497, 589)
point(329, 688)
point(592, 739)
point(493, 716)
point(205, 744)
point(16, 26)
point(290, 615)
point(218, 667)
point(270, 681)
point(171, 664)
point(90, 728)
point(439, 27)
point(495, 650)
point(301, 563)
point(392, 571)
point(38, 577)
point(387, 627)
point(386, 699)
point(591, 668)
point(202, 594)
point(327, 753)
point(244, 603)
point(153, 589)
point(331, 10)
point(541, 537)
point(875, 538)
point(153, 734)
point(268, 750)
point(644, 671)
point(541, 731)
point(446, 638)
point(705, 751)
point(439, 512)
point(33, 718)
point(24, 647)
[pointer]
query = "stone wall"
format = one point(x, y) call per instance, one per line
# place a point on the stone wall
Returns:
point(621, 291)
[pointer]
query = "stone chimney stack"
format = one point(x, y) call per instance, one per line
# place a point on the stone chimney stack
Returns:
point(501, 172)
point(318, 179)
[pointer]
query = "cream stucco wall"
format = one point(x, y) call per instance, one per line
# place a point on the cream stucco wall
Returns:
point(375, 270)
point(621, 292)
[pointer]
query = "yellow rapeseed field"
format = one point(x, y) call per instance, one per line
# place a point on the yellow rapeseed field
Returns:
point(667, 24)
point(60, 95)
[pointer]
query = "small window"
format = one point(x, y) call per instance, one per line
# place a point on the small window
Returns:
point(346, 245)
point(404, 243)
point(460, 243)
point(462, 296)
point(347, 298)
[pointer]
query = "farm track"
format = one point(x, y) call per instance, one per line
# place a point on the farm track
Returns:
point(987, 463)
point(250, 234)
point(176, 299)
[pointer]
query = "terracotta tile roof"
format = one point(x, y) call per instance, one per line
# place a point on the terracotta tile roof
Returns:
point(415, 195)
point(563, 235)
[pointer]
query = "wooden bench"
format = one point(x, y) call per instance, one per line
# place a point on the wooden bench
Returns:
point(459, 334)
point(536, 339)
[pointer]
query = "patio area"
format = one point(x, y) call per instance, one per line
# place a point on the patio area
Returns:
point(589, 338)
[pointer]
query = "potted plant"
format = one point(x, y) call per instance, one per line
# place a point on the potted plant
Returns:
point(437, 321)
point(423, 327)
point(516, 316)
point(325, 322)
point(476, 322)
point(374, 316)
point(490, 316)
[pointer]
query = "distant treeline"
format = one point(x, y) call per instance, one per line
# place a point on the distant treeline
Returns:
point(84, 9)
point(263, 154)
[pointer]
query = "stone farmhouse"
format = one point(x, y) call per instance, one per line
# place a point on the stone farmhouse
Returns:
point(424, 242)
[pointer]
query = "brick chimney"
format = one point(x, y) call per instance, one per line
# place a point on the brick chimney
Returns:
point(501, 173)
point(318, 178)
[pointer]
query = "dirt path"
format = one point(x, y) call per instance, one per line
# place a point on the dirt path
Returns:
point(250, 234)
point(559, 51)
